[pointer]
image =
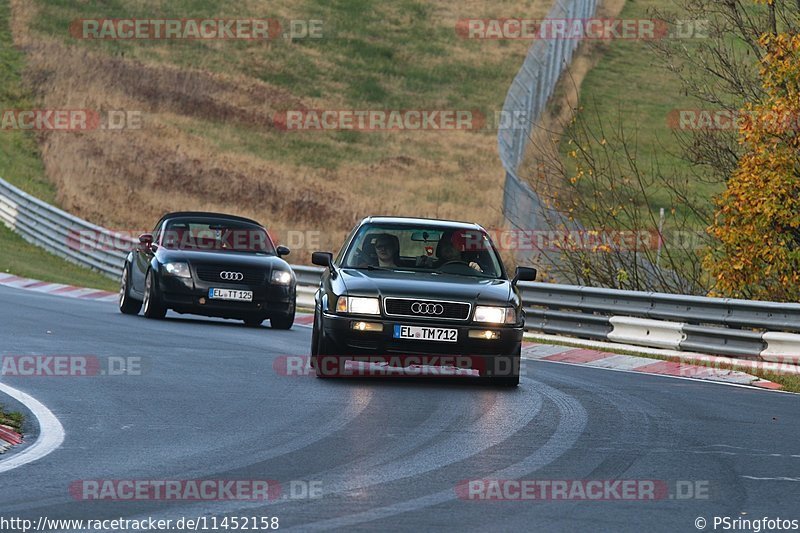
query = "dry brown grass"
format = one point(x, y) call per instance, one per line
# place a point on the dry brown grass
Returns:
point(186, 155)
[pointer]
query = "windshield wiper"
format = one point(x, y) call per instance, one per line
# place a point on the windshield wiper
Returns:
point(475, 275)
point(369, 267)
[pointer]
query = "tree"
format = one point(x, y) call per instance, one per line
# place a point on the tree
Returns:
point(757, 222)
point(603, 182)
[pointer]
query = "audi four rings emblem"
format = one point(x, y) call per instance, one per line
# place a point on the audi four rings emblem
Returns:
point(231, 276)
point(422, 308)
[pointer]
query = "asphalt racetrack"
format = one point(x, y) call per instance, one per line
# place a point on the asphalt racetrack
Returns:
point(210, 403)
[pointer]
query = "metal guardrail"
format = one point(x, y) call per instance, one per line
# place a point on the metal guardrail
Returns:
point(307, 284)
point(731, 327)
point(59, 232)
point(723, 326)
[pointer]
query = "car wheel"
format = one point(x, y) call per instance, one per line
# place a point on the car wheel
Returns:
point(314, 340)
point(513, 379)
point(152, 302)
point(282, 321)
point(253, 321)
point(127, 305)
point(321, 348)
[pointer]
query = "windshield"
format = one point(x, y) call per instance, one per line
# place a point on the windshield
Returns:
point(215, 235)
point(422, 248)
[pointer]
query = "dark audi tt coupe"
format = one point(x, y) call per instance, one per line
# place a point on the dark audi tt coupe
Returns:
point(209, 264)
point(409, 292)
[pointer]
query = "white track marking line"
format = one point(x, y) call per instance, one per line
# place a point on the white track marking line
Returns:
point(796, 479)
point(51, 432)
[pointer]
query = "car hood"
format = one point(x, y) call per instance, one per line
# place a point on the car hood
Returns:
point(435, 286)
point(233, 259)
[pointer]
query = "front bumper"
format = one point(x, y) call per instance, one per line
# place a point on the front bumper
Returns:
point(488, 356)
point(188, 295)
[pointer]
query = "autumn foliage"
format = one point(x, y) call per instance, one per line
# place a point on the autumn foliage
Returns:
point(757, 221)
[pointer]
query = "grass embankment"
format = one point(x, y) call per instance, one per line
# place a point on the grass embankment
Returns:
point(24, 259)
point(630, 91)
point(209, 140)
point(14, 419)
point(21, 164)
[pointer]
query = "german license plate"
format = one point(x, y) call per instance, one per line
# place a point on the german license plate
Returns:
point(420, 333)
point(230, 294)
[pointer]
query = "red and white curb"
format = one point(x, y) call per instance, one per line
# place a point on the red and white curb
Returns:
point(51, 432)
point(630, 363)
point(8, 438)
point(543, 352)
point(305, 320)
point(58, 289)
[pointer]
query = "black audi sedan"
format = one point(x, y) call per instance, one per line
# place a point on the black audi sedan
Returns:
point(209, 264)
point(418, 292)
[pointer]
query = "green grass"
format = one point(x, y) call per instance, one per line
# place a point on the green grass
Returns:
point(21, 165)
point(629, 90)
point(15, 419)
point(24, 259)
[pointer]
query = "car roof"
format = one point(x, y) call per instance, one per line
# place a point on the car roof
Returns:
point(205, 214)
point(411, 221)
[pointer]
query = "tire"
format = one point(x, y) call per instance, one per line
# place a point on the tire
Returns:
point(320, 349)
point(127, 304)
point(282, 321)
point(314, 340)
point(152, 302)
point(512, 381)
point(253, 321)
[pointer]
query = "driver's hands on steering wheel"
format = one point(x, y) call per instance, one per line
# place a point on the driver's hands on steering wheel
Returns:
point(476, 266)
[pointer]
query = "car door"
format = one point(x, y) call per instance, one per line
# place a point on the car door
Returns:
point(142, 257)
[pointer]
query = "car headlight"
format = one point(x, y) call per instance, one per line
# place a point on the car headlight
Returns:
point(281, 277)
point(359, 306)
point(177, 269)
point(495, 315)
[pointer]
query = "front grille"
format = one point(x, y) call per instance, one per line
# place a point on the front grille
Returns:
point(252, 276)
point(406, 307)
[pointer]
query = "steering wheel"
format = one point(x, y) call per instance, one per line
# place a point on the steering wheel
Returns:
point(455, 262)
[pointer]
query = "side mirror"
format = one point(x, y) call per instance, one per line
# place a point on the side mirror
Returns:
point(524, 274)
point(146, 241)
point(282, 250)
point(322, 259)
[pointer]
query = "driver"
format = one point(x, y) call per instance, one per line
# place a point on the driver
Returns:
point(447, 252)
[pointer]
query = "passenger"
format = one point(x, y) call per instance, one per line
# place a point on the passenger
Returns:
point(387, 250)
